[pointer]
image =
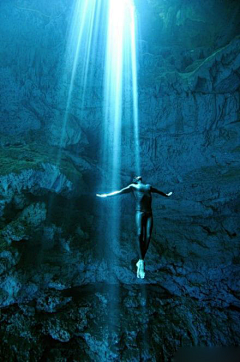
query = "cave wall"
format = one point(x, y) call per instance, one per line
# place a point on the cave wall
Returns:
point(189, 77)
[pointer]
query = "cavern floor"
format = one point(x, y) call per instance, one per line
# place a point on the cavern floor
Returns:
point(104, 322)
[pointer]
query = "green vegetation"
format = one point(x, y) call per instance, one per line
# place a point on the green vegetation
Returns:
point(16, 158)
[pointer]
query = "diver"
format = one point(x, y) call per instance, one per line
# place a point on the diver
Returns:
point(144, 218)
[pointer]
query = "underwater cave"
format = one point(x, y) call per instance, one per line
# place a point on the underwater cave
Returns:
point(120, 180)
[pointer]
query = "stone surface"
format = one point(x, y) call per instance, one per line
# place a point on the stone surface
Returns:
point(111, 322)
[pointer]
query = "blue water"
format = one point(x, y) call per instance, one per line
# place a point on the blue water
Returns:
point(108, 28)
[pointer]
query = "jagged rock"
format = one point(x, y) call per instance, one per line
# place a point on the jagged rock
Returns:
point(34, 214)
point(51, 303)
point(8, 259)
point(10, 286)
point(21, 229)
point(49, 178)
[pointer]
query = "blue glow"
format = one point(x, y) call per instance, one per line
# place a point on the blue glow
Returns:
point(135, 90)
point(81, 41)
point(121, 89)
point(120, 103)
point(108, 28)
point(115, 41)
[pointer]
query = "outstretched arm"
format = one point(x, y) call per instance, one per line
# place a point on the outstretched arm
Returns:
point(125, 190)
point(156, 191)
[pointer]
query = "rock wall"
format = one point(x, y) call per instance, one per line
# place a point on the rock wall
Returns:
point(52, 226)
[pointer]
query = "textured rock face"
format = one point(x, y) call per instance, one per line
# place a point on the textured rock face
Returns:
point(88, 323)
point(53, 231)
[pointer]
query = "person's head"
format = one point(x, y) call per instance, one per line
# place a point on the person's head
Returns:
point(137, 179)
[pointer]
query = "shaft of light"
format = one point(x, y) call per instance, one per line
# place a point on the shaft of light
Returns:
point(78, 53)
point(135, 90)
point(113, 87)
point(121, 64)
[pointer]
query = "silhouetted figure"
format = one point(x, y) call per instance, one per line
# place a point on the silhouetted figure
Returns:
point(144, 218)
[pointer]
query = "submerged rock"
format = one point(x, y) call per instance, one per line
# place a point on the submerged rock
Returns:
point(114, 330)
point(22, 228)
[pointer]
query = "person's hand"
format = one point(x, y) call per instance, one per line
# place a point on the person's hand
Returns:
point(169, 194)
point(101, 195)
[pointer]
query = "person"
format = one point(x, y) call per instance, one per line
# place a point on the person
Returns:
point(144, 218)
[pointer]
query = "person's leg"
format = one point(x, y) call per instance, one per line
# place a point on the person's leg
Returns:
point(149, 227)
point(141, 226)
point(140, 231)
